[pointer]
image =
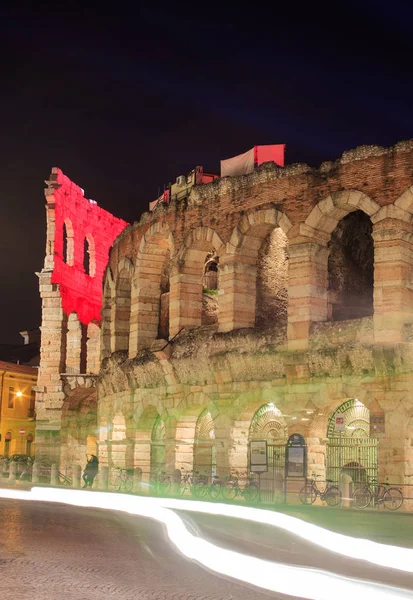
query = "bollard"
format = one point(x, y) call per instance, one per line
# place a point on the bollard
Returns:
point(137, 480)
point(76, 474)
point(103, 478)
point(54, 475)
point(36, 472)
point(12, 471)
point(345, 485)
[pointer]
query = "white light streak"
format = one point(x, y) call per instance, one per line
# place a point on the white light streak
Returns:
point(303, 582)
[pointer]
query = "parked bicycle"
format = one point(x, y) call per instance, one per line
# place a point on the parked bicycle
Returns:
point(231, 489)
point(161, 483)
point(123, 481)
point(375, 494)
point(195, 484)
point(310, 491)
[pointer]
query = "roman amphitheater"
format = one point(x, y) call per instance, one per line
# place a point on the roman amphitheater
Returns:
point(255, 308)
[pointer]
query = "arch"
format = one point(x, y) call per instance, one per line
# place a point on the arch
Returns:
point(68, 242)
point(351, 268)
point(351, 451)
point(8, 443)
point(89, 255)
point(328, 212)
point(150, 304)
point(205, 457)
point(356, 419)
point(405, 201)
point(158, 435)
point(122, 305)
point(187, 279)
point(108, 316)
point(268, 424)
point(240, 267)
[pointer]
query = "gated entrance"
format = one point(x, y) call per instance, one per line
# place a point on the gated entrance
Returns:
point(352, 451)
point(269, 424)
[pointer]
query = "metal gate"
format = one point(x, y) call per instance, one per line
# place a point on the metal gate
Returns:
point(356, 457)
point(271, 482)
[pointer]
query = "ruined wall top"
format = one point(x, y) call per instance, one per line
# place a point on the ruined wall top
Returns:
point(75, 226)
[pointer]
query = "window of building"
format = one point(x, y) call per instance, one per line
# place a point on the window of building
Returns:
point(29, 443)
point(32, 404)
point(10, 403)
point(7, 442)
point(68, 243)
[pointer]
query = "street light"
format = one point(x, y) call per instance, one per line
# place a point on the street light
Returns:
point(19, 394)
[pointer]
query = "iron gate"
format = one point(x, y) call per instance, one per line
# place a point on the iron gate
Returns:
point(271, 482)
point(356, 457)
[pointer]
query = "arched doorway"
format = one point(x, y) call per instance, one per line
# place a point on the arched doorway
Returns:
point(269, 424)
point(351, 451)
point(157, 447)
point(205, 459)
point(7, 443)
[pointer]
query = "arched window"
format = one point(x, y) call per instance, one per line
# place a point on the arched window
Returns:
point(89, 256)
point(205, 450)
point(351, 268)
point(68, 243)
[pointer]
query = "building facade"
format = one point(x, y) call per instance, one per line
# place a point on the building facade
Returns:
point(309, 317)
point(17, 414)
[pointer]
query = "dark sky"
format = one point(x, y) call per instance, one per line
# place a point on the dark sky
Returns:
point(124, 102)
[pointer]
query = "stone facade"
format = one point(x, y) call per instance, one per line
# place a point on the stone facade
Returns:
point(314, 308)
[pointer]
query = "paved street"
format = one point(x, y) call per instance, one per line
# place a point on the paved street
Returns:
point(51, 551)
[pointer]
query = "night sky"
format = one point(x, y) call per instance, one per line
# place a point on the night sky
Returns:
point(123, 104)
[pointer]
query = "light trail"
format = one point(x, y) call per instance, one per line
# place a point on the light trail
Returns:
point(303, 582)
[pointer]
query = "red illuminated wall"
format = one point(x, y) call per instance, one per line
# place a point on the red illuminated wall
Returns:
point(80, 292)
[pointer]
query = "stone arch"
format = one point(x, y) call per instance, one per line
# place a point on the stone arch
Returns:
point(123, 304)
point(352, 451)
point(259, 234)
point(405, 201)
point(205, 456)
point(186, 299)
point(327, 213)
point(79, 421)
point(108, 317)
point(150, 303)
point(268, 424)
point(89, 255)
point(68, 243)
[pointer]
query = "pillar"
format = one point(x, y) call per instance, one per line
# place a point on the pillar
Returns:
point(238, 290)
point(393, 275)
point(307, 290)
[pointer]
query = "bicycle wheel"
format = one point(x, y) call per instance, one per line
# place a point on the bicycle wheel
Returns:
point(393, 499)
point(362, 497)
point(229, 491)
point(251, 492)
point(183, 488)
point(128, 484)
point(117, 484)
point(307, 494)
point(333, 496)
point(214, 490)
point(200, 490)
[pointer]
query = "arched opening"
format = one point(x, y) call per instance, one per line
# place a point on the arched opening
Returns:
point(150, 309)
point(210, 308)
point(351, 268)
point(123, 310)
point(163, 328)
point(350, 447)
point(7, 443)
point(272, 281)
point(157, 447)
point(205, 460)
point(108, 321)
point(268, 424)
point(187, 283)
point(68, 243)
